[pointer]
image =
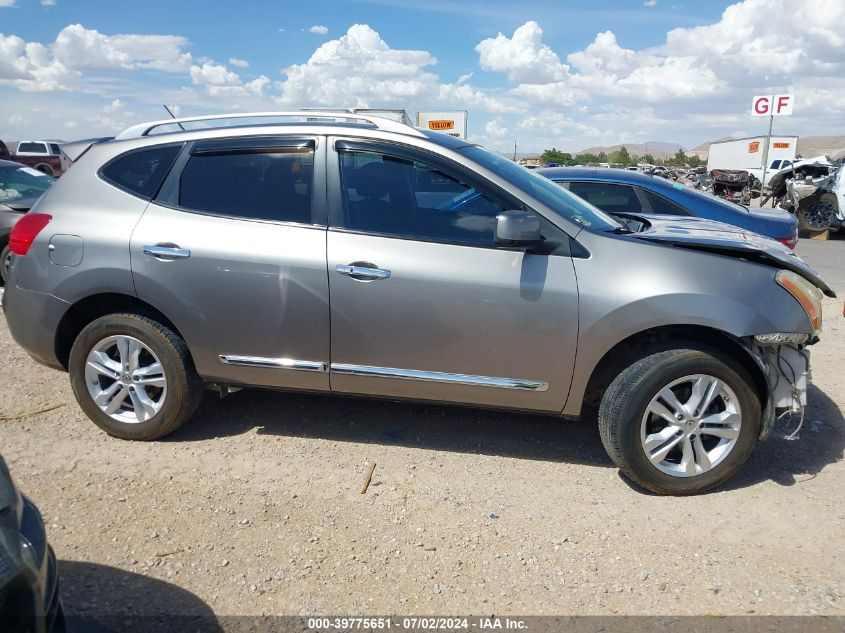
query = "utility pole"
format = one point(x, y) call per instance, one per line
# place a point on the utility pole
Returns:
point(514, 150)
point(766, 155)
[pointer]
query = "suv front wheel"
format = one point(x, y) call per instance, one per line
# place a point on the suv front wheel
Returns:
point(680, 421)
point(133, 377)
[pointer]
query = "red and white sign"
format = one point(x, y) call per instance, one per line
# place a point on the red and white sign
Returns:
point(772, 105)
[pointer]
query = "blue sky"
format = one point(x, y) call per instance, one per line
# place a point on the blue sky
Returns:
point(570, 74)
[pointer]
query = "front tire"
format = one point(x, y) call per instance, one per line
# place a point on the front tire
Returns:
point(680, 421)
point(5, 263)
point(133, 377)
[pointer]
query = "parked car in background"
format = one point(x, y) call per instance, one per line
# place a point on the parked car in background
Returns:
point(29, 580)
point(45, 156)
point(623, 191)
point(20, 187)
point(339, 252)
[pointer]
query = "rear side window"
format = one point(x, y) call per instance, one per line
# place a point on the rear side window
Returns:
point(608, 197)
point(142, 172)
point(260, 185)
point(662, 205)
point(33, 148)
point(54, 149)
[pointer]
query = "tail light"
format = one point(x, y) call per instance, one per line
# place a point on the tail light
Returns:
point(26, 230)
point(791, 241)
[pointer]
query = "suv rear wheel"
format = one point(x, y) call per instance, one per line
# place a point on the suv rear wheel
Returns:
point(133, 377)
point(680, 421)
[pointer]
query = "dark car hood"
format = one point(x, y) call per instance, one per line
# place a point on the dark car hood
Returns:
point(21, 204)
point(724, 239)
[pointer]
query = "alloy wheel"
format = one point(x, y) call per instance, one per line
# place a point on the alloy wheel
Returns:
point(691, 425)
point(125, 379)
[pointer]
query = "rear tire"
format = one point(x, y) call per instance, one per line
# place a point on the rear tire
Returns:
point(140, 371)
point(5, 261)
point(692, 453)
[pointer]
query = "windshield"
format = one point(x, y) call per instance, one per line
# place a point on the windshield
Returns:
point(22, 182)
point(553, 196)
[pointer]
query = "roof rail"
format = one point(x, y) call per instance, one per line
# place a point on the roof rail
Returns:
point(379, 123)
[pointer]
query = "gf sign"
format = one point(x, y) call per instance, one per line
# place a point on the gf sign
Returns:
point(772, 105)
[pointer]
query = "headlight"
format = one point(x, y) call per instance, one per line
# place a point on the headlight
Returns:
point(806, 294)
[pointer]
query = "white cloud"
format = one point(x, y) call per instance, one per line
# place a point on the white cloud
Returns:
point(523, 58)
point(319, 29)
point(358, 69)
point(48, 3)
point(8, 3)
point(495, 129)
point(219, 81)
point(650, 3)
point(240, 63)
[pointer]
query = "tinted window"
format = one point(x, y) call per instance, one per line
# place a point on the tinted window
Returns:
point(141, 172)
point(36, 148)
point(394, 196)
point(265, 185)
point(54, 148)
point(608, 197)
point(659, 204)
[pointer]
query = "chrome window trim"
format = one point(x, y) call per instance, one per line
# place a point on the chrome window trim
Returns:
point(272, 363)
point(436, 376)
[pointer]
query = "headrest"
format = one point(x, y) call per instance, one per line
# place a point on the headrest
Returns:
point(372, 180)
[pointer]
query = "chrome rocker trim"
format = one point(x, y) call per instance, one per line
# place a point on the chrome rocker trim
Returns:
point(272, 363)
point(436, 376)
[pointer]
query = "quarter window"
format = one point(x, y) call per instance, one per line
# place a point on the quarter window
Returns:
point(662, 205)
point(409, 198)
point(261, 185)
point(608, 197)
point(142, 172)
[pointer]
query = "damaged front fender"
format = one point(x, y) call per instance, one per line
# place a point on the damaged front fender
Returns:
point(787, 372)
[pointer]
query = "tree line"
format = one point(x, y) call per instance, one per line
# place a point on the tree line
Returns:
point(619, 157)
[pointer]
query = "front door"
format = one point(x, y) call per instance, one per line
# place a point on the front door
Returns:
point(233, 252)
point(422, 304)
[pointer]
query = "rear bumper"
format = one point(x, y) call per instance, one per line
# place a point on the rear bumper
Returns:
point(33, 319)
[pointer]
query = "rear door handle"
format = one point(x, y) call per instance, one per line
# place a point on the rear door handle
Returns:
point(167, 252)
point(362, 271)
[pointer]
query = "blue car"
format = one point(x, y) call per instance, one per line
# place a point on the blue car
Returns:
point(624, 191)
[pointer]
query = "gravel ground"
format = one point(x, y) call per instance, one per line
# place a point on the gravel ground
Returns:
point(254, 508)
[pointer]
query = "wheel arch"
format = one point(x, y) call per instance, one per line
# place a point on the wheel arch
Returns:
point(92, 307)
point(626, 351)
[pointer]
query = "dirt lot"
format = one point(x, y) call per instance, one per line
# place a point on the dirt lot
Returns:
point(254, 508)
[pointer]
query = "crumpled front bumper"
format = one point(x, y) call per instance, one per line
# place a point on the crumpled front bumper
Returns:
point(787, 371)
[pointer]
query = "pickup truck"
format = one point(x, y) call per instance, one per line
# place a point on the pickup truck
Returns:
point(44, 156)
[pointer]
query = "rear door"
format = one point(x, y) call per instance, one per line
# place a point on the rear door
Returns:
point(233, 250)
point(423, 305)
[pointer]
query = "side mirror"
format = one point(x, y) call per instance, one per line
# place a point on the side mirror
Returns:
point(517, 228)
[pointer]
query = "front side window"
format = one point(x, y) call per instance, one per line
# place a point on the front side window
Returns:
point(273, 184)
point(407, 198)
point(609, 197)
point(141, 172)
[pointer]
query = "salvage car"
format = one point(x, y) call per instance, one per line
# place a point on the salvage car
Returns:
point(348, 254)
point(20, 187)
point(29, 580)
point(623, 191)
point(814, 190)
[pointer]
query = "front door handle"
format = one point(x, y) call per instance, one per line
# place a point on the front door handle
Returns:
point(362, 271)
point(166, 252)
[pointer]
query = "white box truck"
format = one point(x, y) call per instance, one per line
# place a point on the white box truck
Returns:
point(747, 154)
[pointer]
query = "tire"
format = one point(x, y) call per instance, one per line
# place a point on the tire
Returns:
point(5, 255)
point(817, 213)
point(170, 396)
point(626, 420)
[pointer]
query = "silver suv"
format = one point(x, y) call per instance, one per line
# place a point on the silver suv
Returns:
point(354, 255)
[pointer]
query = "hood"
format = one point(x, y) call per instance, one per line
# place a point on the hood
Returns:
point(727, 240)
